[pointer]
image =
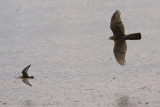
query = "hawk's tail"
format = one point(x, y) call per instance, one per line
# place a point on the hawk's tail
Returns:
point(134, 36)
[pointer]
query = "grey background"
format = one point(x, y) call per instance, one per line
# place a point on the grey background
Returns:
point(66, 41)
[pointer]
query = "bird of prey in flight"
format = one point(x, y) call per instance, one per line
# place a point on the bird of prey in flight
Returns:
point(119, 37)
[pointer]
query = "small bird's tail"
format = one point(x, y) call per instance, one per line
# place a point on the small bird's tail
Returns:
point(134, 36)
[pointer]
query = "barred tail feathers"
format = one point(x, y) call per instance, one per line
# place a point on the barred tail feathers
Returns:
point(134, 36)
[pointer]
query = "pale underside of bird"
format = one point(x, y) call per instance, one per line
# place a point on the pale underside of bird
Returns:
point(119, 37)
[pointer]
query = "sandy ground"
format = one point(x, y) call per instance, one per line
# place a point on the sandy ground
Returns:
point(66, 41)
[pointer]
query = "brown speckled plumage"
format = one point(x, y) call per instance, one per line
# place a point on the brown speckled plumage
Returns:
point(119, 37)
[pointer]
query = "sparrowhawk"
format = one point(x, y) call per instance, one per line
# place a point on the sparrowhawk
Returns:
point(119, 37)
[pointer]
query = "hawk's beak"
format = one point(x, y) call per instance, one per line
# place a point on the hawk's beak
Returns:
point(111, 38)
point(20, 77)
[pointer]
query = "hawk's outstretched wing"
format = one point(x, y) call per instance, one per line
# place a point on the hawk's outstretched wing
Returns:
point(120, 48)
point(116, 24)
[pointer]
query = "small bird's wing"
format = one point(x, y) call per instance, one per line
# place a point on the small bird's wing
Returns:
point(24, 72)
point(25, 80)
point(116, 24)
point(120, 48)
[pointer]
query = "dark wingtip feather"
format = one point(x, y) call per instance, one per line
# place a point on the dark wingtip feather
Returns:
point(117, 12)
point(122, 62)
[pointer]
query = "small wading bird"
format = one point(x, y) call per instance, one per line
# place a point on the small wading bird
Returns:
point(25, 76)
point(119, 37)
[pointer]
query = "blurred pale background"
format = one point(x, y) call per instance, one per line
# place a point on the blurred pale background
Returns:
point(66, 41)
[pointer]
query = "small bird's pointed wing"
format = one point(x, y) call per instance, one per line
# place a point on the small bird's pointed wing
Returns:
point(116, 24)
point(24, 72)
point(25, 80)
point(120, 48)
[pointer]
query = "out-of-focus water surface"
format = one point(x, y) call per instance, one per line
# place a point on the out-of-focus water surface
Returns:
point(66, 41)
